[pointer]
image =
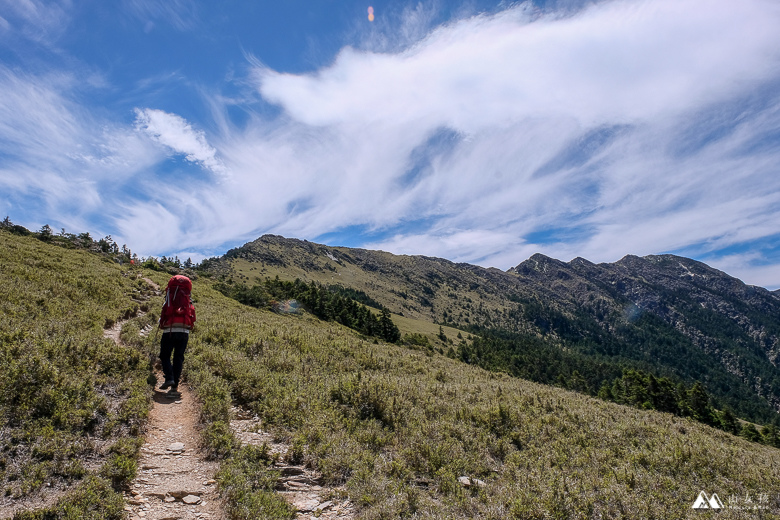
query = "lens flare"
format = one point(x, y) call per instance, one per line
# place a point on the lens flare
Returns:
point(370, 14)
point(285, 306)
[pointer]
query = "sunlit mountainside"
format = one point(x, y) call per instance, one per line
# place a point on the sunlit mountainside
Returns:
point(543, 319)
point(392, 425)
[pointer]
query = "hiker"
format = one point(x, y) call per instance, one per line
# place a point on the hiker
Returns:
point(176, 321)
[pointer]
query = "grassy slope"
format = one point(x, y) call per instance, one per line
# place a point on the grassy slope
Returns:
point(351, 277)
point(397, 275)
point(399, 427)
point(71, 401)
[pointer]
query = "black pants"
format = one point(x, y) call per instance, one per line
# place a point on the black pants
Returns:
point(176, 343)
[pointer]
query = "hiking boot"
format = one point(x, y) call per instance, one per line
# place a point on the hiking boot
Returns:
point(167, 384)
point(174, 389)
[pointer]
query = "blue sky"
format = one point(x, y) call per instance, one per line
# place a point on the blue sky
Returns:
point(477, 131)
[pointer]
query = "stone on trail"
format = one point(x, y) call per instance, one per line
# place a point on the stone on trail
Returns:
point(305, 505)
point(325, 505)
point(291, 471)
point(191, 499)
point(176, 447)
point(182, 494)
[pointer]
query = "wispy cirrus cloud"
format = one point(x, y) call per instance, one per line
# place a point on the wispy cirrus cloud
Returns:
point(502, 135)
point(570, 121)
point(34, 20)
point(181, 14)
point(58, 161)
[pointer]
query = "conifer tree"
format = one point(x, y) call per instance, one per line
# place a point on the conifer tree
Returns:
point(750, 433)
point(771, 436)
point(45, 233)
point(389, 332)
point(699, 403)
point(605, 392)
point(728, 421)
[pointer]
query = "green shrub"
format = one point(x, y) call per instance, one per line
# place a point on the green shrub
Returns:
point(120, 470)
point(93, 499)
point(247, 481)
point(218, 440)
point(65, 390)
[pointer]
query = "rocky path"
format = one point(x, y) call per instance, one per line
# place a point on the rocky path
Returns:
point(174, 480)
point(299, 485)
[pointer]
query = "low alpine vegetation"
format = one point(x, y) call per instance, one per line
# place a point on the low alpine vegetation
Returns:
point(407, 431)
point(71, 401)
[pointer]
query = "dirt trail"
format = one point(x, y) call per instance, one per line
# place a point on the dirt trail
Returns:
point(174, 480)
point(150, 282)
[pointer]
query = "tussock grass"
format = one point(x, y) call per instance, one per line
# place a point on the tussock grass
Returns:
point(399, 426)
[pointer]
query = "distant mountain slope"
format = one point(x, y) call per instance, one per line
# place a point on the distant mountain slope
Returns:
point(712, 315)
point(665, 314)
point(403, 430)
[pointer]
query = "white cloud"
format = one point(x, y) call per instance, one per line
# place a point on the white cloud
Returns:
point(474, 245)
point(751, 269)
point(58, 161)
point(521, 91)
point(628, 61)
point(178, 135)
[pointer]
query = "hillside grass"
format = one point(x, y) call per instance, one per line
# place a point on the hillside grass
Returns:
point(585, 321)
point(72, 403)
point(396, 290)
point(347, 276)
point(399, 426)
point(396, 426)
point(428, 329)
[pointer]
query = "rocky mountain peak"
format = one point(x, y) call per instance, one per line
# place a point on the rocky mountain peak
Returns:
point(538, 263)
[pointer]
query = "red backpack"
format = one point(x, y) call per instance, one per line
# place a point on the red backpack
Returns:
point(178, 308)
